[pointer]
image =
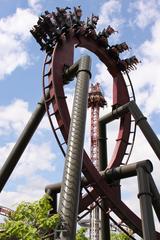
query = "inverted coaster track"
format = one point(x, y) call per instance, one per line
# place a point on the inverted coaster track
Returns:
point(63, 56)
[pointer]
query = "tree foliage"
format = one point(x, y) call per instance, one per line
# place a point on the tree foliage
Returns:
point(31, 221)
point(81, 234)
point(119, 236)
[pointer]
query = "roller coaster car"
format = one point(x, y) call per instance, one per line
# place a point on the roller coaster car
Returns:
point(53, 27)
point(76, 16)
point(50, 26)
point(128, 64)
point(92, 22)
point(121, 47)
point(115, 50)
point(104, 35)
point(90, 27)
point(39, 36)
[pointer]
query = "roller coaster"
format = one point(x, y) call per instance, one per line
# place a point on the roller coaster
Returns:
point(58, 33)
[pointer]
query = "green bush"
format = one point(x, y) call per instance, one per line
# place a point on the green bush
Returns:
point(30, 221)
point(119, 236)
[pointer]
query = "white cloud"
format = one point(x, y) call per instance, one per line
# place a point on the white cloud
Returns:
point(14, 117)
point(18, 24)
point(27, 176)
point(12, 198)
point(110, 14)
point(150, 48)
point(146, 12)
point(14, 56)
point(146, 78)
point(37, 157)
point(14, 32)
point(35, 5)
point(31, 191)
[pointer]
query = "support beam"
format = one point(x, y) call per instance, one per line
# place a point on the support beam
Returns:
point(56, 188)
point(155, 197)
point(53, 194)
point(141, 121)
point(148, 132)
point(145, 199)
point(70, 72)
point(126, 171)
point(22, 142)
point(110, 175)
point(105, 225)
point(70, 190)
point(115, 114)
point(102, 147)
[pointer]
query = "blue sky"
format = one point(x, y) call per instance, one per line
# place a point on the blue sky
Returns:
point(138, 23)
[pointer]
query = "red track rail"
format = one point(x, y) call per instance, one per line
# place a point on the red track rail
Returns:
point(63, 55)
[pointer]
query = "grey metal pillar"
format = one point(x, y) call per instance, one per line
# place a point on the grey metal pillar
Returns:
point(53, 195)
point(155, 198)
point(105, 226)
point(22, 142)
point(103, 161)
point(145, 199)
point(126, 171)
point(141, 121)
point(69, 197)
point(115, 114)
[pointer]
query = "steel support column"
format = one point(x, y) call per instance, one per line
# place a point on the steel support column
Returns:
point(105, 226)
point(69, 197)
point(148, 132)
point(155, 198)
point(22, 142)
point(70, 72)
point(53, 194)
point(102, 147)
point(145, 199)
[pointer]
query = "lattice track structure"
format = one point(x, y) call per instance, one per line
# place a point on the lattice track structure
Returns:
point(56, 106)
point(95, 102)
point(133, 126)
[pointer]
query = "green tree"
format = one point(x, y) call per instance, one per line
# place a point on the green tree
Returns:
point(81, 234)
point(119, 236)
point(31, 221)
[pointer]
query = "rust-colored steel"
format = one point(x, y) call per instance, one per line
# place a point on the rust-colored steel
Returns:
point(95, 101)
point(5, 211)
point(63, 55)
